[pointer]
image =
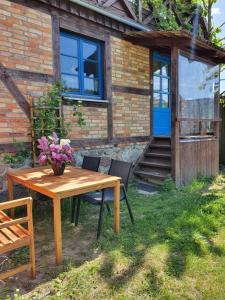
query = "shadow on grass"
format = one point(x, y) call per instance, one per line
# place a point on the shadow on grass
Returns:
point(185, 221)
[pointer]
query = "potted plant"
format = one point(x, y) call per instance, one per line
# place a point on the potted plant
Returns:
point(55, 151)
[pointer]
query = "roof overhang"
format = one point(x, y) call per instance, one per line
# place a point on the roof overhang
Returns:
point(106, 12)
point(181, 39)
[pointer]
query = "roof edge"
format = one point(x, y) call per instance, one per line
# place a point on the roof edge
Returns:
point(106, 13)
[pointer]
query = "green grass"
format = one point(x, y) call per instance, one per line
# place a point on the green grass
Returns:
point(176, 250)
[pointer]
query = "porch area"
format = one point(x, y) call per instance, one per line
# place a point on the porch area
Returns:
point(185, 117)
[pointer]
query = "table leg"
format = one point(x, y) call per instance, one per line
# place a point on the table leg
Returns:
point(10, 195)
point(117, 207)
point(57, 229)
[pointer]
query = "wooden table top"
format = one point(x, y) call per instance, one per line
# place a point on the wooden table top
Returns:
point(72, 182)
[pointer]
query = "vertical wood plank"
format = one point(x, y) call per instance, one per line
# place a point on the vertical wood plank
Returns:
point(10, 195)
point(175, 137)
point(108, 86)
point(31, 234)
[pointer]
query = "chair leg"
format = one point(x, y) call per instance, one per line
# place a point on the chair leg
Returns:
point(74, 200)
point(100, 221)
point(129, 208)
point(108, 208)
point(32, 258)
point(100, 216)
point(77, 212)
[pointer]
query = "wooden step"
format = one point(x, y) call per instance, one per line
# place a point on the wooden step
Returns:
point(155, 154)
point(162, 146)
point(154, 164)
point(150, 174)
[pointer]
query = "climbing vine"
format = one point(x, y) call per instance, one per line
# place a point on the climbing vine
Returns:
point(47, 113)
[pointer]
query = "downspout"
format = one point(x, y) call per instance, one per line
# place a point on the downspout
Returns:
point(111, 15)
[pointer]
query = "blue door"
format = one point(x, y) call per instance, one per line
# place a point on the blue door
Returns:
point(161, 95)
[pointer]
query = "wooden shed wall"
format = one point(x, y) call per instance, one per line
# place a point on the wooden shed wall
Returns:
point(222, 134)
point(198, 158)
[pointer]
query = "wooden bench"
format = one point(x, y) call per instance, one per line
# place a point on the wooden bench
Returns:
point(14, 236)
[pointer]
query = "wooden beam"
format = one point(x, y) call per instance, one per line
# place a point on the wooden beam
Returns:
point(175, 125)
point(130, 90)
point(14, 90)
point(140, 11)
point(56, 44)
point(108, 3)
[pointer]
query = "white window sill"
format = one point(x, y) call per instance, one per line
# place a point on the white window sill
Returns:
point(85, 99)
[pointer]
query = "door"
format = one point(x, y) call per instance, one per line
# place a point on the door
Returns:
point(161, 95)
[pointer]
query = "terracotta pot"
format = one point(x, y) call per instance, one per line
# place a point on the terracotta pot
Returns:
point(58, 170)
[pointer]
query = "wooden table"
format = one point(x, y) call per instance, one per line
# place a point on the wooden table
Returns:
point(74, 181)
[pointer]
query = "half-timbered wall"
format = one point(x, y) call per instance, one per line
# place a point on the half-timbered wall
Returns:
point(131, 89)
point(116, 127)
point(25, 47)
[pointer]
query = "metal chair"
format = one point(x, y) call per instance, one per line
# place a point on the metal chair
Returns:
point(89, 163)
point(117, 168)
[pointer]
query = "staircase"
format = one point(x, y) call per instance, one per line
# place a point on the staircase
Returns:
point(155, 163)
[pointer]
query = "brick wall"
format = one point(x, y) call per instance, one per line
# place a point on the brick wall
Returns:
point(130, 68)
point(95, 122)
point(25, 44)
point(25, 39)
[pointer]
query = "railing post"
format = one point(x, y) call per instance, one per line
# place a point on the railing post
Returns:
point(175, 134)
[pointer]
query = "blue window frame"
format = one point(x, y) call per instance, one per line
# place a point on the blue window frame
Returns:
point(81, 66)
point(161, 81)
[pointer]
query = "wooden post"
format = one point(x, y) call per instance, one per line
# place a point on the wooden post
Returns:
point(57, 229)
point(117, 207)
point(31, 234)
point(10, 195)
point(175, 137)
point(140, 11)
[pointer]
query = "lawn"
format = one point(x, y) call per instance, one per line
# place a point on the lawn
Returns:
point(176, 250)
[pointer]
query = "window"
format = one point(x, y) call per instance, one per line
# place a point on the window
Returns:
point(81, 66)
point(161, 81)
point(198, 95)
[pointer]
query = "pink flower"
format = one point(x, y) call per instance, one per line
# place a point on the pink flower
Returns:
point(43, 143)
point(42, 158)
point(54, 150)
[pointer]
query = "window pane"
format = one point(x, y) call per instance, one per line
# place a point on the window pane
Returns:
point(71, 83)
point(189, 128)
point(90, 69)
point(68, 45)
point(90, 51)
point(156, 67)
point(91, 86)
point(165, 85)
point(165, 69)
point(198, 88)
point(156, 100)
point(165, 100)
point(69, 65)
point(156, 83)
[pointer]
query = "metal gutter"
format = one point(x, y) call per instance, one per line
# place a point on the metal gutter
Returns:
point(106, 13)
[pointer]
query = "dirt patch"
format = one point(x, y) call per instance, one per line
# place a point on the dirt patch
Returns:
point(78, 247)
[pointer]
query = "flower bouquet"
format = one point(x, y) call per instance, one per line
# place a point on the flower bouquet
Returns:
point(55, 151)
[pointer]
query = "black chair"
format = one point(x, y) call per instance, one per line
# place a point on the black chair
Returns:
point(117, 168)
point(89, 163)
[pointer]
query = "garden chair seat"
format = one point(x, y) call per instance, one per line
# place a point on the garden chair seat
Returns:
point(96, 197)
point(14, 234)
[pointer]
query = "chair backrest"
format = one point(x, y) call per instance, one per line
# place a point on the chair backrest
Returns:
point(91, 163)
point(121, 169)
